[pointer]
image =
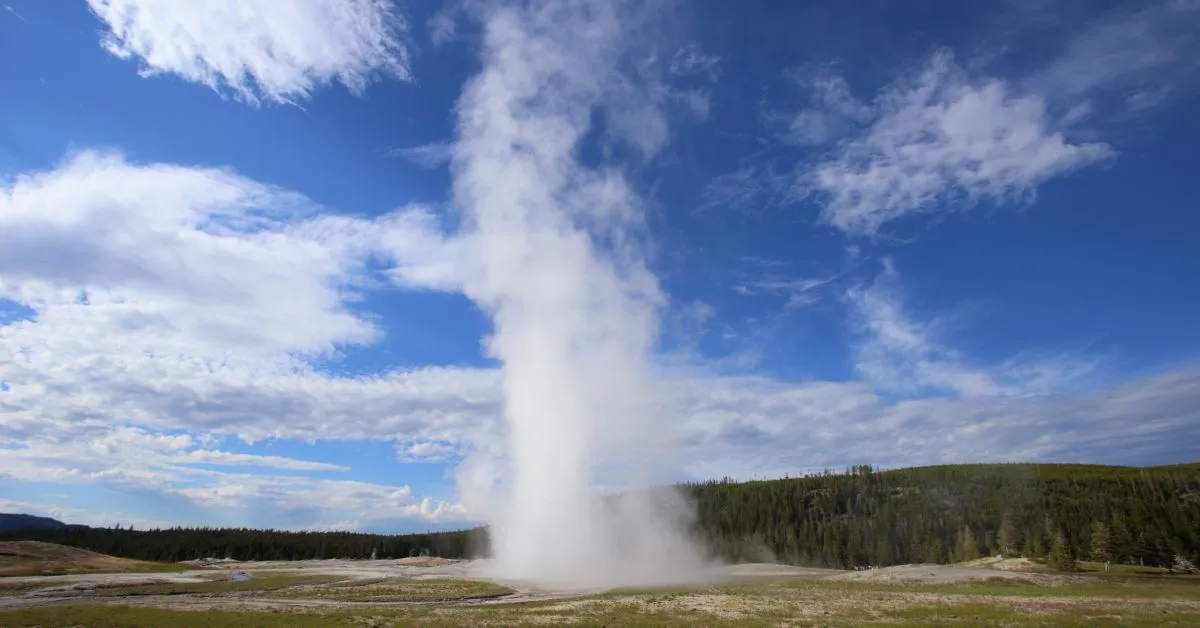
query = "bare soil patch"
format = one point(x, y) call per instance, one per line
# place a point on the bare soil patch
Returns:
point(950, 574)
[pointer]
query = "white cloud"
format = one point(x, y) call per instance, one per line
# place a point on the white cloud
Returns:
point(691, 60)
point(443, 26)
point(432, 155)
point(697, 102)
point(755, 426)
point(194, 263)
point(942, 142)
point(174, 306)
point(831, 112)
point(900, 354)
point(80, 515)
point(752, 187)
point(173, 469)
point(1139, 55)
point(799, 292)
point(321, 500)
point(185, 303)
point(260, 50)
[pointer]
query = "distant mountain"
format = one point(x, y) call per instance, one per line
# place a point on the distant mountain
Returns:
point(9, 522)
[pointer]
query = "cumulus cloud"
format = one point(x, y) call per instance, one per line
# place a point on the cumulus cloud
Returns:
point(941, 141)
point(187, 304)
point(260, 50)
point(202, 495)
point(169, 307)
point(194, 262)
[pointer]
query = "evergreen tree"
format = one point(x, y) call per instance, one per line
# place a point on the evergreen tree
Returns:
point(1061, 558)
point(967, 548)
point(863, 516)
point(1101, 546)
point(1035, 542)
point(1007, 535)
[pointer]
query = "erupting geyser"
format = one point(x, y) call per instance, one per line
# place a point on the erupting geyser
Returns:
point(551, 256)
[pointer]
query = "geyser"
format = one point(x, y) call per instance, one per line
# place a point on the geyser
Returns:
point(551, 255)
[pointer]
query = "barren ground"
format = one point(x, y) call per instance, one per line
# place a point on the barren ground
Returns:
point(437, 592)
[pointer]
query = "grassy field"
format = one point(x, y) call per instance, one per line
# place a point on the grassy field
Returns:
point(265, 583)
point(1164, 601)
point(404, 590)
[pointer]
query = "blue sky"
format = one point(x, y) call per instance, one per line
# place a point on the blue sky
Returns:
point(896, 233)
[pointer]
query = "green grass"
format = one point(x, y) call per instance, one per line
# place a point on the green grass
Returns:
point(11, 567)
point(634, 614)
point(999, 587)
point(1102, 602)
point(257, 584)
point(105, 616)
point(999, 615)
point(405, 590)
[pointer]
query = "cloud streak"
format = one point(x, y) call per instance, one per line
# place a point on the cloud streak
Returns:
point(900, 354)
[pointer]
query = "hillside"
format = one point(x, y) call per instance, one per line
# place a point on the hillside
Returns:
point(10, 521)
point(859, 517)
point(35, 558)
point(956, 513)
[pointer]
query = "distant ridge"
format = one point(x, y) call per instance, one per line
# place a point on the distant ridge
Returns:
point(15, 521)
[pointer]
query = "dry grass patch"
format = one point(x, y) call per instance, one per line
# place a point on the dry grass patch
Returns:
point(269, 583)
point(35, 558)
point(404, 590)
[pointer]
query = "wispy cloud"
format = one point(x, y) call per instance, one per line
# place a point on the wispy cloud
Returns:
point(755, 186)
point(1133, 57)
point(692, 61)
point(799, 292)
point(901, 354)
point(830, 113)
point(943, 142)
point(432, 155)
point(756, 426)
point(80, 515)
point(12, 10)
point(443, 26)
point(260, 50)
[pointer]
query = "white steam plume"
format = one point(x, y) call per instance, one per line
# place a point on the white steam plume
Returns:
point(551, 257)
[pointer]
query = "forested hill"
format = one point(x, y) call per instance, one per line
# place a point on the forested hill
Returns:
point(9, 521)
point(858, 517)
point(176, 544)
point(955, 513)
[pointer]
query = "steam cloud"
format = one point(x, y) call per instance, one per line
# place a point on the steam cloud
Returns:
point(551, 254)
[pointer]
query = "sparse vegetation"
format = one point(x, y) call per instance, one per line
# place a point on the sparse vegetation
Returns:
point(768, 603)
point(405, 590)
point(33, 558)
point(260, 583)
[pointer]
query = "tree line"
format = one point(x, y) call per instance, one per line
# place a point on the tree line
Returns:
point(179, 544)
point(1057, 513)
point(860, 517)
